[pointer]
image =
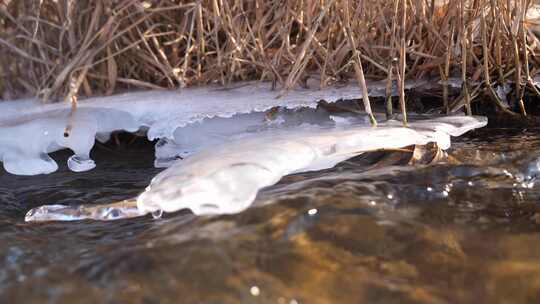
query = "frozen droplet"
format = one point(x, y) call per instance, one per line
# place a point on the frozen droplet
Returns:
point(103, 137)
point(390, 196)
point(157, 214)
point(429, 189)
point(372, 203)
point(80, 164)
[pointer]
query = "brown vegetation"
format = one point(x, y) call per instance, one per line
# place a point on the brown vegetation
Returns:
point(61, 48)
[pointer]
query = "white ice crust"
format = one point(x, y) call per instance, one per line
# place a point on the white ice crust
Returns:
point(221, 146)
point(30, 130)
point(26, 140)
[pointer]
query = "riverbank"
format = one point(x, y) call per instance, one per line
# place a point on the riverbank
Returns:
point(59, 50)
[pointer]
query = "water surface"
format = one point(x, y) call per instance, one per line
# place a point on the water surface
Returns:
point(375, 229)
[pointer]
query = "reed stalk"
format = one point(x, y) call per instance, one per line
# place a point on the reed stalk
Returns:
point(169, 44)
point(403, 60)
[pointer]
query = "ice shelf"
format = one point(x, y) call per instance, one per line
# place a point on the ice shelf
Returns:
point(30, 130)
point(221, 145)
point(226, 178)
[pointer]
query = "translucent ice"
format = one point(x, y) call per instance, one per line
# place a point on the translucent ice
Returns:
point(119, 210)
point(173, 117)
point(226, 178)
point(222, 145)
point(29, 130)
point(25, 141)
point(77, 163)
point(214, 131)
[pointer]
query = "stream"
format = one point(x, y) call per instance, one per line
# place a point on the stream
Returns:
point(373, 229)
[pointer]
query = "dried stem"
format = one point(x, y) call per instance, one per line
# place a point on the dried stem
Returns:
point(167, 44)
point(402, 61)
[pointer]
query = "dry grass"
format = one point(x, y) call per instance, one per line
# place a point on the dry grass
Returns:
point(57, 49)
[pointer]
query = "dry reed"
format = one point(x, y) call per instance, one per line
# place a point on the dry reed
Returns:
point(57, 49)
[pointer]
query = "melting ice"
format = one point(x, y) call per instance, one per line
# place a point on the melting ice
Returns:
point(30, 130)
point(26, 141)
point(221, 145)
point(225, 178)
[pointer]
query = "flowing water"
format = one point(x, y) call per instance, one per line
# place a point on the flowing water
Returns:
point(374, 229)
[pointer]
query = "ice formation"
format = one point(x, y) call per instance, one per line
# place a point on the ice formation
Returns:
point(30, 130)
point(226, 178)
point(26, 140)
point(222, 145)
point(211, 132)
point(114, 211)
